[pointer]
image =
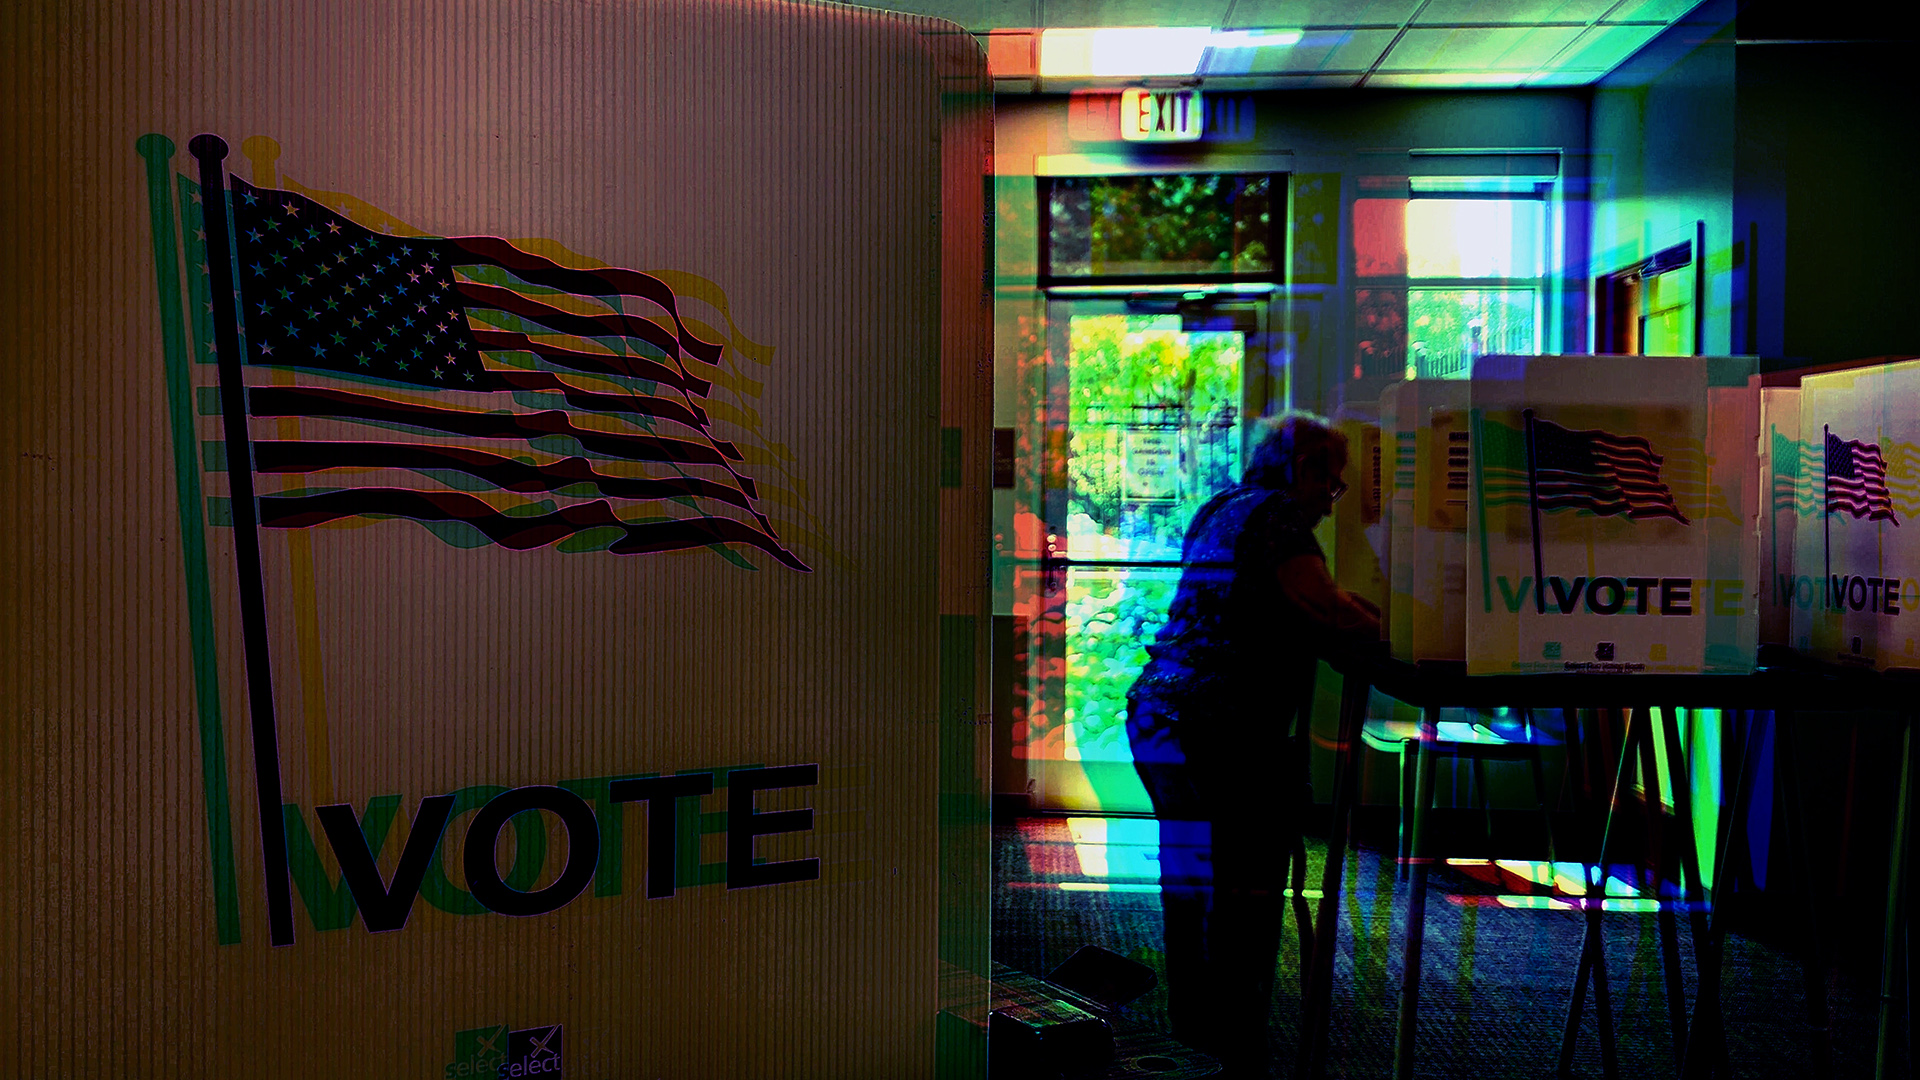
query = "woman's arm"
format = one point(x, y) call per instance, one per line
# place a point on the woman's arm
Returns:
point(1305, 582)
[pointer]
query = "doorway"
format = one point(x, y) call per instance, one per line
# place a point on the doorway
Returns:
point(1152, 398)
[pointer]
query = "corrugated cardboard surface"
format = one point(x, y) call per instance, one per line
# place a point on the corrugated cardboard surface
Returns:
point(1699, 433)
point(782, 166)
point(1858, 560)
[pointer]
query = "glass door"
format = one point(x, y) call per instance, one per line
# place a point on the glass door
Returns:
point(1150, 401)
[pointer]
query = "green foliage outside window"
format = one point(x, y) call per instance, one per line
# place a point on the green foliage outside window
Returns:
point(1180, 224)
point(1133, 374)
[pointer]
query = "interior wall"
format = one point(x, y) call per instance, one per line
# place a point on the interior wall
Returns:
point(1663, 160)
point(1825, 157)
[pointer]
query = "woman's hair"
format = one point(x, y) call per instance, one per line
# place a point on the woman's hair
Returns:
point(1288, 436)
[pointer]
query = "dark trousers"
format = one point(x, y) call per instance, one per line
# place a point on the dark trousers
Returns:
point(1228, 807)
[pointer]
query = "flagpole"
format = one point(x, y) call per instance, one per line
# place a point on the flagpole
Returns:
point(211, 152)
point(1533, 507)
point(1826, 511)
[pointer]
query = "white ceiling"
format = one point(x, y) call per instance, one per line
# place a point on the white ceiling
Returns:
point(1344, 43)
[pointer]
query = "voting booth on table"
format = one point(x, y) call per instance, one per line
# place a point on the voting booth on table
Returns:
point(497, 553)
point(1426, 424)
point(1855, 594)
point(1575, 514)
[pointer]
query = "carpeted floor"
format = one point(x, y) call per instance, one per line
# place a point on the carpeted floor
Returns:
point(1497, 975)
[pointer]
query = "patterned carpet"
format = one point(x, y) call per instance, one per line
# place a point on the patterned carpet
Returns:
point(1497, 978)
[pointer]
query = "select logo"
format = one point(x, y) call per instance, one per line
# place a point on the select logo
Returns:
point(533, 1052)
point(494, 1053)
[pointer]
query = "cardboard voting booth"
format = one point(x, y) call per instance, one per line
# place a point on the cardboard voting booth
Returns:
point(497, 553)
point(1784, 492)
point(1612, 522)
point(1359, 523)
point(1854, 548)
point(1425, 422)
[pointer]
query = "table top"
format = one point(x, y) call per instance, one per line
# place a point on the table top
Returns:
point(1799, 687)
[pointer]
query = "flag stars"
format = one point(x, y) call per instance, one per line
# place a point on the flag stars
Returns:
point(292, 208)
point(258, 270)
point(266, 349)
point(333, 227)
point(439, 374)
point(312, 314)
point(253, 235)
point(363, 361)
point(252, 199)
point(413, 275)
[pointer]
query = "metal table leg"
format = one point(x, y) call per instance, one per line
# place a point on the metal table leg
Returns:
point(1416, 901)
point(1317, 1006)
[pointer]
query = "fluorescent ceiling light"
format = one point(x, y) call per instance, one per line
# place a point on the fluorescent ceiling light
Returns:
point(1252, 39)
point(1122, 51)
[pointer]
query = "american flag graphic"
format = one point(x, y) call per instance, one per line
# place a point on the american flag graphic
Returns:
point(468, 382)
point(1857, 480)
point(1600, 472)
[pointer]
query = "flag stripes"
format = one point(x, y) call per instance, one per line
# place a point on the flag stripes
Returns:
point(464, 380)
point(1857, 480)
point(1600, 472)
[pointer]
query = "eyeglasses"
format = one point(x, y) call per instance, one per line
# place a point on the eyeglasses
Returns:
point(1336, 488)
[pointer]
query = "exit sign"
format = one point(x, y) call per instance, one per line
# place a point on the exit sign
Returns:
point(1161, 115)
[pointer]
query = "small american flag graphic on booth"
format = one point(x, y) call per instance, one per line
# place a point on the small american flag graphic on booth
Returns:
point(1857, 480)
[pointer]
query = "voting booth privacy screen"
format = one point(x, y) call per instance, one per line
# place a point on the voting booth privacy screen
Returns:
point(497, 561)
point(1854, 592)
point(1577, 513)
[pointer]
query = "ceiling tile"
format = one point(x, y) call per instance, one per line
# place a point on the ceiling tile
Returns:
point(1538, 48)
point(1282, 82)
point(1134, 12)
point(1566, 77)
point(1605, 47)
point(1477, 49)
point(1335, 13)
point(1448, 80)
point(1663, 11)
point(1529, 12)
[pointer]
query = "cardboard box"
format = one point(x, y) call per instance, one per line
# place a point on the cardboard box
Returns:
point(1623, 483)
point(1425, 422)
point(606, 700)
point(1784, 490)
point(1360, 529)
point(1861, 436)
